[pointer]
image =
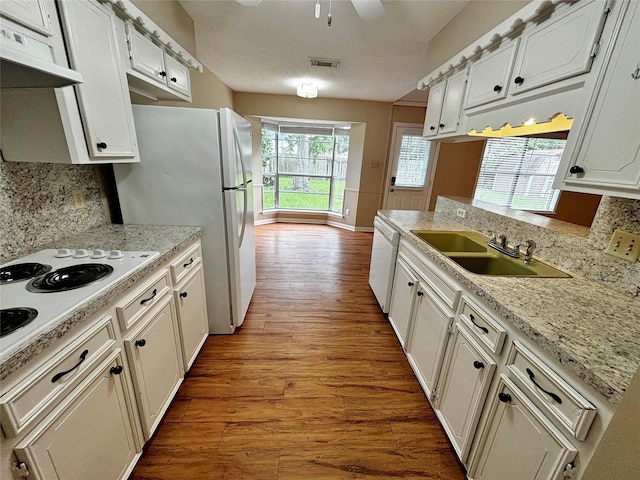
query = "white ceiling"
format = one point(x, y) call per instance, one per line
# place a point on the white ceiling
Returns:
point(265, 48)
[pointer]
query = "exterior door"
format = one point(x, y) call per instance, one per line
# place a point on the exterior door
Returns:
point(409, 177)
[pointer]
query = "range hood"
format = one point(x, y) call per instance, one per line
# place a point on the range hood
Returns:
point(20, 70)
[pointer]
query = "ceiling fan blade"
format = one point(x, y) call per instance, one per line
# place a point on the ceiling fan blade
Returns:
point(368, 9)
point(248, 3)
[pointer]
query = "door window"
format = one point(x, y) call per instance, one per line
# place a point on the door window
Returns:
point(411, 159)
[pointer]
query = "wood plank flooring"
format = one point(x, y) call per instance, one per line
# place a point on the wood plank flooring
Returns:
point(314, 385)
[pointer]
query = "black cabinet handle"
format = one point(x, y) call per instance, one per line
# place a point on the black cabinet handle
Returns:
point(188, 263)
point(162, 74)
point(441, 125)
point(551, 394)
point(183, 294)
point(146, 300)
point(420, 293)
point(141, 343)
point(101, 145)
point(58, 376)
point(174, 79)
point(576, 169)
point(117, 370)
point(479, 327)
point(410, 284)
point(518, 80)
point(497, 88)
point(478, 365)
point(432, 128)
point(504, 397)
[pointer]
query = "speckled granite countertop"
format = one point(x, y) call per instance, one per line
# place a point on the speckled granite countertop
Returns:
point(593, 331)
point(168, 240)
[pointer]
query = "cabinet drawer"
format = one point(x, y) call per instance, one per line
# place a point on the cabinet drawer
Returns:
point(447, 290)
point(485, 328)
point(550, 391)
point(134, 306)
point(186, 263)
point(41, 391)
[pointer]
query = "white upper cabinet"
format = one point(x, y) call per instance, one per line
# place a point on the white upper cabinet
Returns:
point(178, 78)
point(445, 105)
point(603, 148)
point(489, 76)
point(559, 49)
point(32, 14)
point(146, 57)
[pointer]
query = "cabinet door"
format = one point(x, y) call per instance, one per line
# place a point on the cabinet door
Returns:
point(519, 442)
point(92, 437)
point(177, 76)
point(608, 153)
point(452, 104)
point(558, 49)
point(32, 14)
point(434, 107)
point(192, 316)
point(155, 357)
point(429, 337)
point(104, 101)
point(405, 285)
point(466, 376)
point(489, 76)
point(146, 57)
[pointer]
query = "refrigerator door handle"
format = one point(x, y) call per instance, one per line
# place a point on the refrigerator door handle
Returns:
point(236, 140)
point(244, 216)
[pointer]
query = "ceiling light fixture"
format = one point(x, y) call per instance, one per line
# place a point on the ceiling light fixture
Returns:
point(307, 90)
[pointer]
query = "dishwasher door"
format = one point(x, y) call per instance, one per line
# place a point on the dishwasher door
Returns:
point(383, 261)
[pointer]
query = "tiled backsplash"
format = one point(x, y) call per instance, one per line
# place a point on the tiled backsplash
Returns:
point(36, 204)
point(574, 248)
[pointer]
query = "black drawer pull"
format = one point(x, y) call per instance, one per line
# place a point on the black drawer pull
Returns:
point(101, 145)
point(117, 370)
point(478, 365)
point(162, 74)
point(479, 327)
point(576, 169)
point(420, 293)
point(146, 300)
point(518, 81)
point(188, 263)
point(551, 394)
point(410, 284)
point(441, 125)
point(504, 397)
point(141, 343)
point(497, 88)
point(174, 79)
point(432, 128)
point(58, 376)
point(183, 294)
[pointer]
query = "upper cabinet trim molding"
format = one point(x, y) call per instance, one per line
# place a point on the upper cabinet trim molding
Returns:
point(535, 12)
point(130, 12)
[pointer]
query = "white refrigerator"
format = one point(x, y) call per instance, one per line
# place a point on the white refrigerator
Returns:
point(195, 170)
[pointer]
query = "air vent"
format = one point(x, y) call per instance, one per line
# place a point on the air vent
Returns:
point(324, 62)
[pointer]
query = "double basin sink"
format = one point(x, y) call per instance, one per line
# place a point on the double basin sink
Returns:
point(470, 251)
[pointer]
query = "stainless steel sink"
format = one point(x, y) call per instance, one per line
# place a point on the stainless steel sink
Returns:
point(469, 250)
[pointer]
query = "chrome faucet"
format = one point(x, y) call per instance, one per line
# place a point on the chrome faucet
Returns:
point(530, 246)
point(499, 242)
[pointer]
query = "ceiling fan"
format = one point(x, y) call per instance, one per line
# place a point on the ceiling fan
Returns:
point(366, 9)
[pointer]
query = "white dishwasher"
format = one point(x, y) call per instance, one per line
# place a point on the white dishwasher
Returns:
point(383, 261)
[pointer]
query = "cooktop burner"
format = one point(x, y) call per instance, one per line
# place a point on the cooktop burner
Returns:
point(69, 278)
point(11, 319)
point(22, 271)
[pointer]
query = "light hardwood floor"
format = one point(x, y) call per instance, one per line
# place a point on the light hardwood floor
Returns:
point(313, 386)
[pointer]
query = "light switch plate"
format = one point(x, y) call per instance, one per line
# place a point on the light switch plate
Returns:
point(624, 245)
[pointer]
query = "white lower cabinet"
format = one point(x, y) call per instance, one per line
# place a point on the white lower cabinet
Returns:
point(90, 435)
point(193, 322)
point(466, 376)
point(519, 442)
point(405, 285)
point(429, 337)
point(155, 357)
point(510, 411)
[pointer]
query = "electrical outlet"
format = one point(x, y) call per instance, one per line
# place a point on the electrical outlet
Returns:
point(462, 213)
point(347, 212)
point(624, 245)
point(78, 198)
